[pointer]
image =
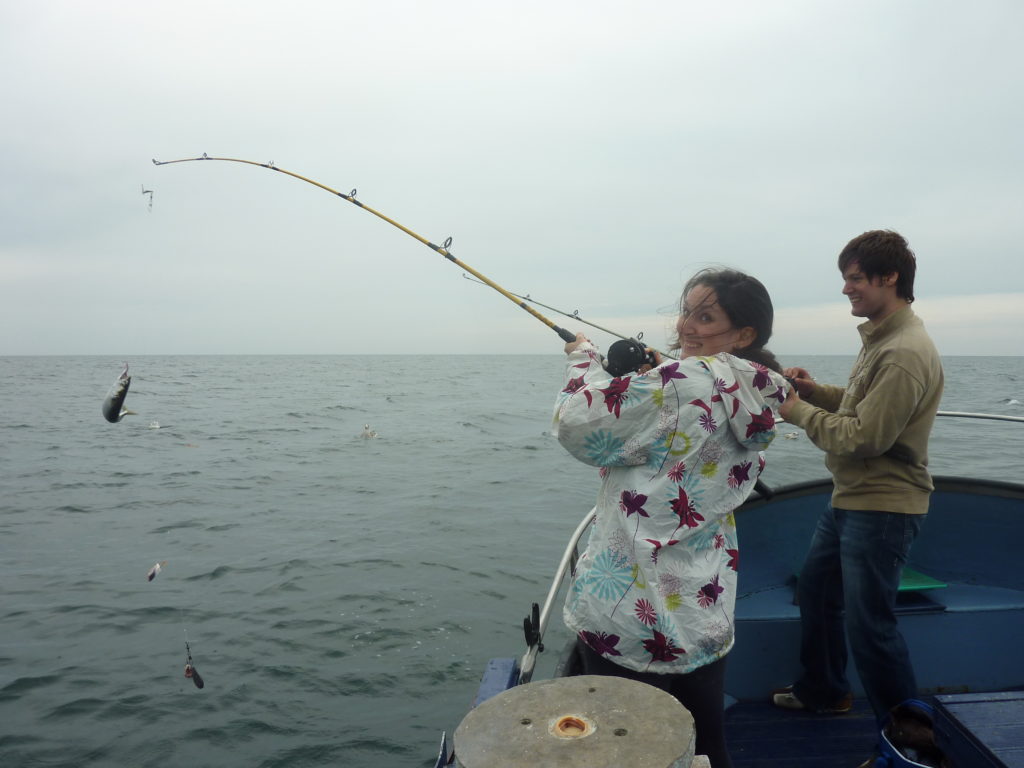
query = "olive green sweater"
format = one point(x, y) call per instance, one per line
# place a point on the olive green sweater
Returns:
point(875, 430)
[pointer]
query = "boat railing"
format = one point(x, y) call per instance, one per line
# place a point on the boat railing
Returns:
point(958, 415)
point(537, 624)
point(991, 416)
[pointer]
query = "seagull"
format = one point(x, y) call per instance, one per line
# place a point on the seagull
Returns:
point(367, 432)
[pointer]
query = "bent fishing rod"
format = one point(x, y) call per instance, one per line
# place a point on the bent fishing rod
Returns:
point(629, 355)
point(444, 249)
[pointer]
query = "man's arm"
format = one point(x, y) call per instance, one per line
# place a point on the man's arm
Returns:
point(827, 397)
point(878, 419)
point(808, 388)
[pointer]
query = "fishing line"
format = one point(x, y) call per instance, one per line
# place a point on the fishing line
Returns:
point(575, 315)
point(444, 249)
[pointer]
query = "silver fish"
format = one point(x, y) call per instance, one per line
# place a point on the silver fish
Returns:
point(155, 570)
point(113, 405)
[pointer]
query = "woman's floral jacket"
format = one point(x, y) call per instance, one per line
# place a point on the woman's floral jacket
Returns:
point(679, 448)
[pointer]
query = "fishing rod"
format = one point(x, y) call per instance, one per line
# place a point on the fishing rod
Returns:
point(444, 249)
point(575, 315)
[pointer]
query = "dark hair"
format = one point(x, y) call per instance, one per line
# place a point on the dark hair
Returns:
point(746, 302)
point(881, 252)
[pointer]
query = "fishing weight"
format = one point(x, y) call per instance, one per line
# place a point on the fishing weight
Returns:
point(627, 356)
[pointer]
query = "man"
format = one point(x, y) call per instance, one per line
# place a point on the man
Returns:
point(875, 434)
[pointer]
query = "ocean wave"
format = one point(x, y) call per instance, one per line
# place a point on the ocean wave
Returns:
point(73, 709)
point(20, 685)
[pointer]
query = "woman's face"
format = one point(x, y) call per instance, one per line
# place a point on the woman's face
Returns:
point(705, 329)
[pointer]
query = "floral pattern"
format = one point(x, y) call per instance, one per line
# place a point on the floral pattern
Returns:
point(678, 449)
point(645, 612)
point(610, 576)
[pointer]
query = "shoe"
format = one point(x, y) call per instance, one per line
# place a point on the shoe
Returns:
point(786, 699)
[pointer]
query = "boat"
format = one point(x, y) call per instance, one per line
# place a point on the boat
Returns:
point(961, 610)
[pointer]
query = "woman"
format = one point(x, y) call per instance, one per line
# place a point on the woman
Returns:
point(678, 447)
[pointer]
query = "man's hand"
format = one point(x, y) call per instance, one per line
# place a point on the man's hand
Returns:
point(801, 380)
point(792, 398)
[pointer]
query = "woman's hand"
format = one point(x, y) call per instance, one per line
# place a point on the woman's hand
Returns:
point(647, 366)
point(570, 347)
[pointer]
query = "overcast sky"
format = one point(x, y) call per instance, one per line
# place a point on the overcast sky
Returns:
point(591, 154)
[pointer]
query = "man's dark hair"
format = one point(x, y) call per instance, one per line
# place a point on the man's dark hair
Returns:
point(881, 252)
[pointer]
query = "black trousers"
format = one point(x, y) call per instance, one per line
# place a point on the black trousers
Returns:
point(702, 692)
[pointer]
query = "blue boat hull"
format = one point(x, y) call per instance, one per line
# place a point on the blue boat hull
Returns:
point(964, 636)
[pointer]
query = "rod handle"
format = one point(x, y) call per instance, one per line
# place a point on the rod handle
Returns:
point(566, 335)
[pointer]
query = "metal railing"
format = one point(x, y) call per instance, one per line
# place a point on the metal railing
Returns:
point(568, 561)
point(992, 416)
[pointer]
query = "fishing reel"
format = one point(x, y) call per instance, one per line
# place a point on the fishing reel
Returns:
point(627, 356)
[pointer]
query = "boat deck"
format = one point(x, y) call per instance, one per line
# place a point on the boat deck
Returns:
point(976, 730)
point(981, 729)
point(762, 736)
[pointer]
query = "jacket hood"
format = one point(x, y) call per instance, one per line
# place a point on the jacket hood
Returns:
point(749, 401)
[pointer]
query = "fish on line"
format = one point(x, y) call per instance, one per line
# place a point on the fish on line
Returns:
point(190, 668)
point(113, 406)
point(152, 574)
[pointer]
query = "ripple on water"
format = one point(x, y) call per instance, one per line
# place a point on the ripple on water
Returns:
point(217, 573)
point(75, 708)
point(130, 706)
point(332, 753)
point(291, 585)
point(21, 685)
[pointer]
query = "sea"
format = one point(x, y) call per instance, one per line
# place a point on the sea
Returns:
point(339, 595)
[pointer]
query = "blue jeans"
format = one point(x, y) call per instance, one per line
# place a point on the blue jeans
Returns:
point(853, 569)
